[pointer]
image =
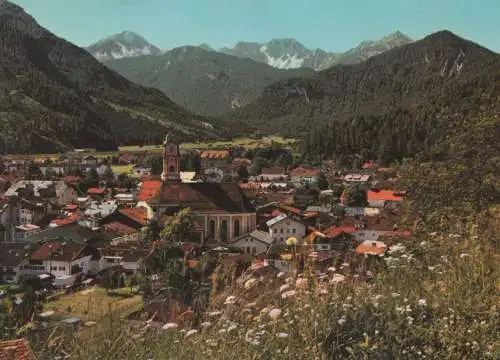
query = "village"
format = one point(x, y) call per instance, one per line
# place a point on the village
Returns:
point(69, 226)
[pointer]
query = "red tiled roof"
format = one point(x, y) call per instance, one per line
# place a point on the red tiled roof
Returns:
point(16, 350)
point(387, 195)
point(370, 250)
point(208, 197)
point(139, 214)
point(71, 207)
point(215, 154)
point(335, 231)
point(290, 209)
point(56, 251)
point(303, 171)
point(149, 190)
point(119, 228)
point(96, 191)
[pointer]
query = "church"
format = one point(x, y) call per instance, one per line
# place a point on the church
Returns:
point(222, 210)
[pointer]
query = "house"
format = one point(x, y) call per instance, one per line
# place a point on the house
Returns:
point(275, 173)
point(384, 198)
point(57, 191)
point(213, 174)
point(369, 228)
point(283, 227)
point(135, 218)
point(356, 178)
point(304, 175)
point(214, 158)
point(125, 199)
point(73, 232)
point(141, 171)
point(256, 242)
point(24, 231)
point(62, 258)
point(149, 190)
point(16, 350)
point(12, 257)
point(128, 258)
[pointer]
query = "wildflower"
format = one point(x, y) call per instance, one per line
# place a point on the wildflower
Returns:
point(288, 294)
point(284, 288)
point(337, 278)
point(211, 343)
point(289, 280)
point(214, 313)
point(264, 311)
point(206, 324)
point(302, 283)
point(230, 300)
point(282, 335)
point(190, 332)
point(422, 302)
point(274, 313)
point(250, 283)
point(332, 269)
point(251, 304)
point(462, 255)
point(280, 275)
point(395, 295)
point(341, 321)
point(232, 327)
point(170, 326)
point(431, 268)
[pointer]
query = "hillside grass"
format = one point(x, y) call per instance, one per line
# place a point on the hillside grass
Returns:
point(437, 298)
point(95, 303)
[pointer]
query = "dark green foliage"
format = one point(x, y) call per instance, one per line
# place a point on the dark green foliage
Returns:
point(356, 196)
point(389, 107)
point(54, 96)
point(322, 182)
point(91, 178)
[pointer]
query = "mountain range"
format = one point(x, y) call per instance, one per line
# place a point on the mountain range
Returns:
point(55, 96)
point(279, 53)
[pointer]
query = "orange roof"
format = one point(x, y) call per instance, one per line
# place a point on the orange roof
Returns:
point(370, 250)
point(139, 214)
point(96, 191)
point(335, 231)
point(16, 350)
point(120, 228)
point(215, 154)
point(387, 195)
point(149, 190)
point(303, 171)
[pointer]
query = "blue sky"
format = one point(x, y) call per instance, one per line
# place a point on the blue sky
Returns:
point(332, 25)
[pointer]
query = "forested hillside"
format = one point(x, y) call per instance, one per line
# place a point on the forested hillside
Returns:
point(206, 82)
point(54, 95)
point(390, 106)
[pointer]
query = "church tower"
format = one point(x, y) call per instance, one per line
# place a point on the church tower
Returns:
point(171, 159)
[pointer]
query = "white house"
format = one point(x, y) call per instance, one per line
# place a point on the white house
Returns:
point(62, 259)
point(282, 227)
point(256, 242)
point(60, 192)
point(24, 231)
point(356, 178)
point(304, 175)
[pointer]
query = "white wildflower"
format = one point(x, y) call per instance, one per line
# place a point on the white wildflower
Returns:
point(288, 294)
point(332, 269)
point(462, 255)
point(190, 333)
point(206, 324)
point(283, 335)
point(170, 326)
point(280, 275)
point(274, 313)
point(250, 283)
point(395, 295)
point(251, 304)
point(231, 300)
point(214, 313)
point(284, 288)
point(337, 278)
point(289, 280)
point(341, 321)
point(422, 302)
point(431, 268)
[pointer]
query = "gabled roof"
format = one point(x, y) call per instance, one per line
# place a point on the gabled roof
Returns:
point(73, 232)
point(304, 171)
point(207, 197)
point(258, 235)
point(16, 350)
point(138, 214)
point(387, 195)
point(96, 191)
point(59, 251)
point(276, 220)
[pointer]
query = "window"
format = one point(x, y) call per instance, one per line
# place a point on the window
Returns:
point(293, 230)
point(62, 268)
point(254, 250)
point(281, 231)
point(248, 250)
point(236, 227)
point(288, 231)
point(211, 229)
point(53, 268)
point(223, 230)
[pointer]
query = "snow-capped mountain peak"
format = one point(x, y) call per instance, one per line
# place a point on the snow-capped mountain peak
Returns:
point(122, 45)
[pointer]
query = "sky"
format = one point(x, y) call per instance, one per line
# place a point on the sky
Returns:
point(331, 25)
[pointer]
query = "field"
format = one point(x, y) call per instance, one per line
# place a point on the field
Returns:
point(119, 169)
point(94, 303)
point(240, 142)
